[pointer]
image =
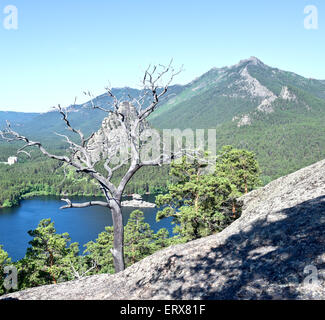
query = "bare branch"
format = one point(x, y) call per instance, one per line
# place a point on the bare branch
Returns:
point(93, 104)
point(76, 273)
point(83, 205)
point(68, 124)
point(10, 135)
point(151, 81)
point(119, 137)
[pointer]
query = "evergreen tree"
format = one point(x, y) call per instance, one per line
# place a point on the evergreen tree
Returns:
point(4, 261)
point(140, 242)
point(49, 259)
point(196, 201)
point(163, 240)
point(138, 238)
point(241, 168)
point(100, 251)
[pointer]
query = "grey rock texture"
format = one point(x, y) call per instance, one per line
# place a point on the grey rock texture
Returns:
point(138, 204)
point(262, 255)
point(111, 138)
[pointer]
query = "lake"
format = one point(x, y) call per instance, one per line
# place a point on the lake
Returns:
point(83, 225)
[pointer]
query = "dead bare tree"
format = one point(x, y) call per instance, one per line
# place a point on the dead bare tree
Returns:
point(128, 120)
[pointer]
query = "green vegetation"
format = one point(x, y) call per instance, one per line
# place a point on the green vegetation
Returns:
point(4, 261)
point(240, 167)
point(42, 177)
point(284, 141)
point(49, 257)
point(201, 204)
point(52, 259)
point(290, 138)
point(140, 241)
point(195, 201)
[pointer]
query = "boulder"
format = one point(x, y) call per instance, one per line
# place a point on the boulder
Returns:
point(275, 250)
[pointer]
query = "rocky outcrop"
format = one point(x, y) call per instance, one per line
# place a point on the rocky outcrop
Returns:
point(111, 138)
point(244, 121)
point(275, 250)
point(286, 94)
point(253, 87)
point(138, 204)
point(266, 106)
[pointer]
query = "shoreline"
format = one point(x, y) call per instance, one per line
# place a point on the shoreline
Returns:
point(127, 203)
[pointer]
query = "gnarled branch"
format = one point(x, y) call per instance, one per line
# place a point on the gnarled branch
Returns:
point(84, 204)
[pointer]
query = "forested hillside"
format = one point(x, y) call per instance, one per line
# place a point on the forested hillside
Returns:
point(277, 114)
point(48, 177)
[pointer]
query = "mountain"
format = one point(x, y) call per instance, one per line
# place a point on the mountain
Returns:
point(270, 252)
point(238, 93)
point(17, 118)
point(42, 126)
point(277, 114)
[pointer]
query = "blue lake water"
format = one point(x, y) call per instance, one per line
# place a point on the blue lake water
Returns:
point(83, 225)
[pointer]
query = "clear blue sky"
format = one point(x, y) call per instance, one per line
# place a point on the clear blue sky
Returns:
point(62, 48)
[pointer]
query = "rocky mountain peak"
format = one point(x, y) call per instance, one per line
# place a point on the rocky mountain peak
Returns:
point(252, 60)
point(255, 61)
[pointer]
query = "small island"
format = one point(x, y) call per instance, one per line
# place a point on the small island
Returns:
point(137, 202)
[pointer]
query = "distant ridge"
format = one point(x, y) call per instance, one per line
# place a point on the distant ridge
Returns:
point(278, 114)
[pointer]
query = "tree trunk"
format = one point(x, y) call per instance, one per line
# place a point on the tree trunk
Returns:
point(51, 265)
point(118, 248)
point(234, 209)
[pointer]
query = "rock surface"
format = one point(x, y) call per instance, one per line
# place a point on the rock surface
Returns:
point(138, 204)
point(111, 141)
point(262, 255)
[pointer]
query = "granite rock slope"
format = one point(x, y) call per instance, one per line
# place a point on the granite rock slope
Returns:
point(268, 253)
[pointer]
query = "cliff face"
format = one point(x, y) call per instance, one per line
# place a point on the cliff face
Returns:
point(262, 255)
point(111, 138)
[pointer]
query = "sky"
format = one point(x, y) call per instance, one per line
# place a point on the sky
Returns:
point(64, 47)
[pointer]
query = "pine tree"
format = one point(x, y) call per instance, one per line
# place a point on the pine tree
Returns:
point(140, 242)
point(241, 168)
point(4, 261)
point(49, 259)
point(138, 238)
point(196, 200)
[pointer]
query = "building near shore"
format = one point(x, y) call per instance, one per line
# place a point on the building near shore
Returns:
point(12, 160)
